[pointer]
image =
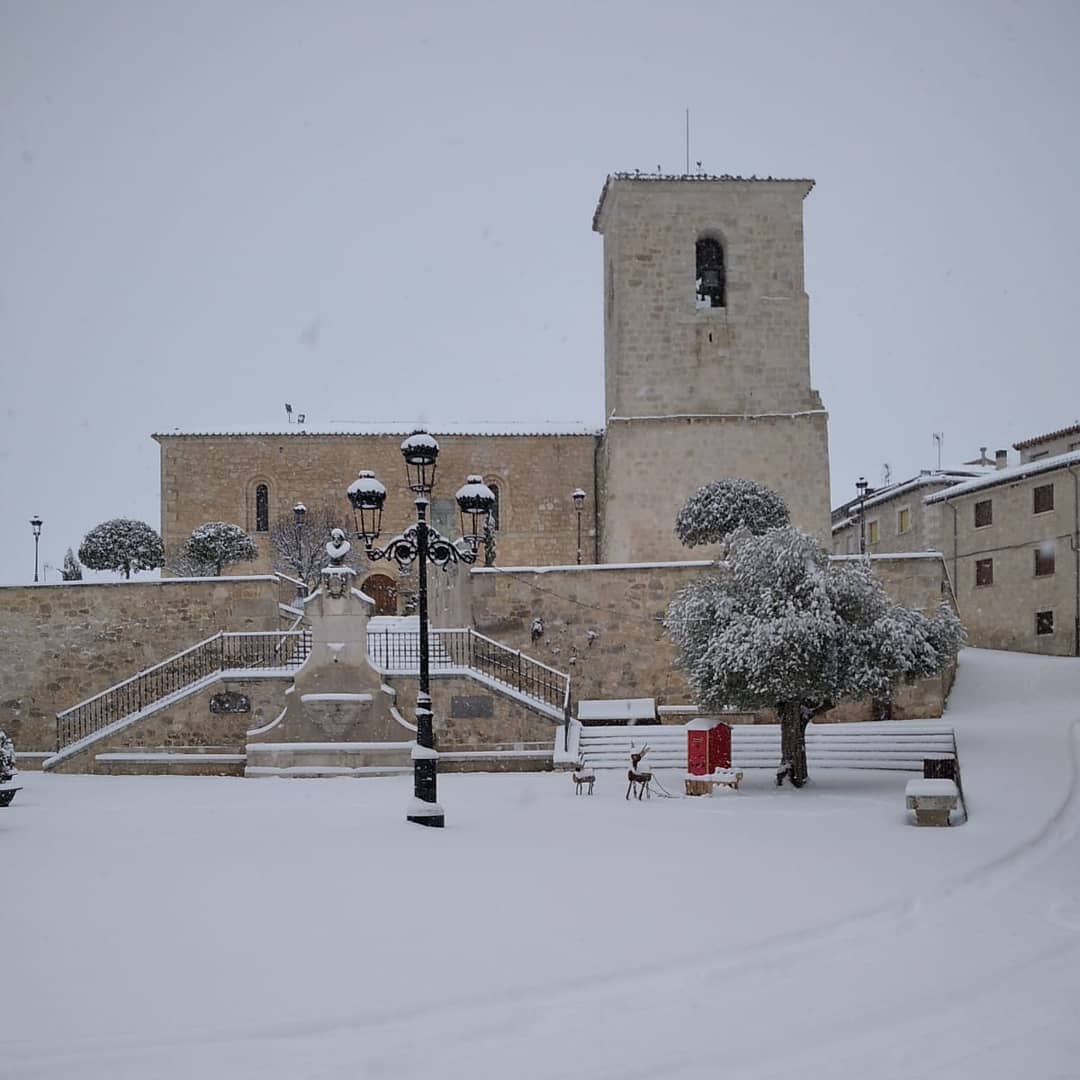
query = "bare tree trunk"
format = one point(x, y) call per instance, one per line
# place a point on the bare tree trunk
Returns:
point(793, 721)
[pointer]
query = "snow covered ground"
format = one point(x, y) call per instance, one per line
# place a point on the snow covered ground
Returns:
point(167, 927)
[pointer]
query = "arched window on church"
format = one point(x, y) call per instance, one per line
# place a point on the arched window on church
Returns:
point(262, 508)
point(711, 279)
point(495, 509)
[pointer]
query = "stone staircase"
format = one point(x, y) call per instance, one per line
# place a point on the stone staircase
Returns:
point(160, 720)
point(99, 722)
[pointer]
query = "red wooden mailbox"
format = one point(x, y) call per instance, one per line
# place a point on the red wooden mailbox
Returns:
point(708, 746)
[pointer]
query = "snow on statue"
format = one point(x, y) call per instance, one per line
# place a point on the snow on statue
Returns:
point(782, 626)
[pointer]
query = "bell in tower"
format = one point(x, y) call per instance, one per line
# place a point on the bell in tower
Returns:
point(710, 273)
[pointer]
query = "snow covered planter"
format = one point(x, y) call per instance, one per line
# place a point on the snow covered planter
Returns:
point(781, 626)
point(8, 772)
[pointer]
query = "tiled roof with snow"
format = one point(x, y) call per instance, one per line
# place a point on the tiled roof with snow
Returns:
point(391, 429)
point(1024, 444)
point(947, 477)
point(1007, 476)
point(693, 178)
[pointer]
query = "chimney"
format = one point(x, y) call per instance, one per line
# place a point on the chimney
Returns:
point(1001, 458)
point(983, 459)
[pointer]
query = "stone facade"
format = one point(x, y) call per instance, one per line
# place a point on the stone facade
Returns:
point(692, 394)
point(216, 477)
point(604, 625)
point(60, 644)
point(698, 390)
point(1014, 562)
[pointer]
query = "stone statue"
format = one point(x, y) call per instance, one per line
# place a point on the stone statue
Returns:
point(337, 547)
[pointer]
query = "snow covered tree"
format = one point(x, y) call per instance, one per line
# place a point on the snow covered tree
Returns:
point(716, 510)
point(301, 551)
point(217, 544)
point(122, 544)
point(71, 570)
point(782, 626)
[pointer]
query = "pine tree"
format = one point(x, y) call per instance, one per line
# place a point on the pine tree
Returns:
point(124, 545)
point(71, 570)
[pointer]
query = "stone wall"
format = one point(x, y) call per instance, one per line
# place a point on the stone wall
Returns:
point(603, 625)
point(650, 467)
point(60, 644)
point(471, 716)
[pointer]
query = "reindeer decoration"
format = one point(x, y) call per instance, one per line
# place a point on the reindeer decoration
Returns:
point(639, 779)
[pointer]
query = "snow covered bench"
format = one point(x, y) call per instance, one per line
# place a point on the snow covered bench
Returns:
point(932, 800)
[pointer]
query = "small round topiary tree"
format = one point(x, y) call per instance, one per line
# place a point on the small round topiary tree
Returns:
point(716, 510)
point(217, 544)
point(122, 544)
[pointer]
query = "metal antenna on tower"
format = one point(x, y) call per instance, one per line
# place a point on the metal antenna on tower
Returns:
point(939, 438)
point(687, 142)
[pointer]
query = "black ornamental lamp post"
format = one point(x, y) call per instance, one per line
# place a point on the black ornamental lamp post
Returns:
point(299, 510)
point(578, 495)
point(35, 524)
point(420, 543)
point(861, 486)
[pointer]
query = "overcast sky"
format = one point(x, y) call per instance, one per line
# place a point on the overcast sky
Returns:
point(382, 212)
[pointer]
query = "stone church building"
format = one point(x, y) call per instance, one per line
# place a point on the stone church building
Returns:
point(706, 374)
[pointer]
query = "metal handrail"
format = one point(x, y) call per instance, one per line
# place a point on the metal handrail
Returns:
point(399, 650)
point(224, 651)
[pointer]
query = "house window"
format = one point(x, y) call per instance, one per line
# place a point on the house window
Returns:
point(495, 508)
point(1044, 558)
point(1044, 498)
point(711, 278)
point(903, 520)
point(1044, 622)
point(984, 571)
point(984, 513)
point(262, 508)
point(872, 532)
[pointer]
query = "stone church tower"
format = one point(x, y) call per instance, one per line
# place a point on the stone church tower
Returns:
point(706, 354)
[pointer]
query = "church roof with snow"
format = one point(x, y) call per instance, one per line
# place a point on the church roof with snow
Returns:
point(390, 429)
